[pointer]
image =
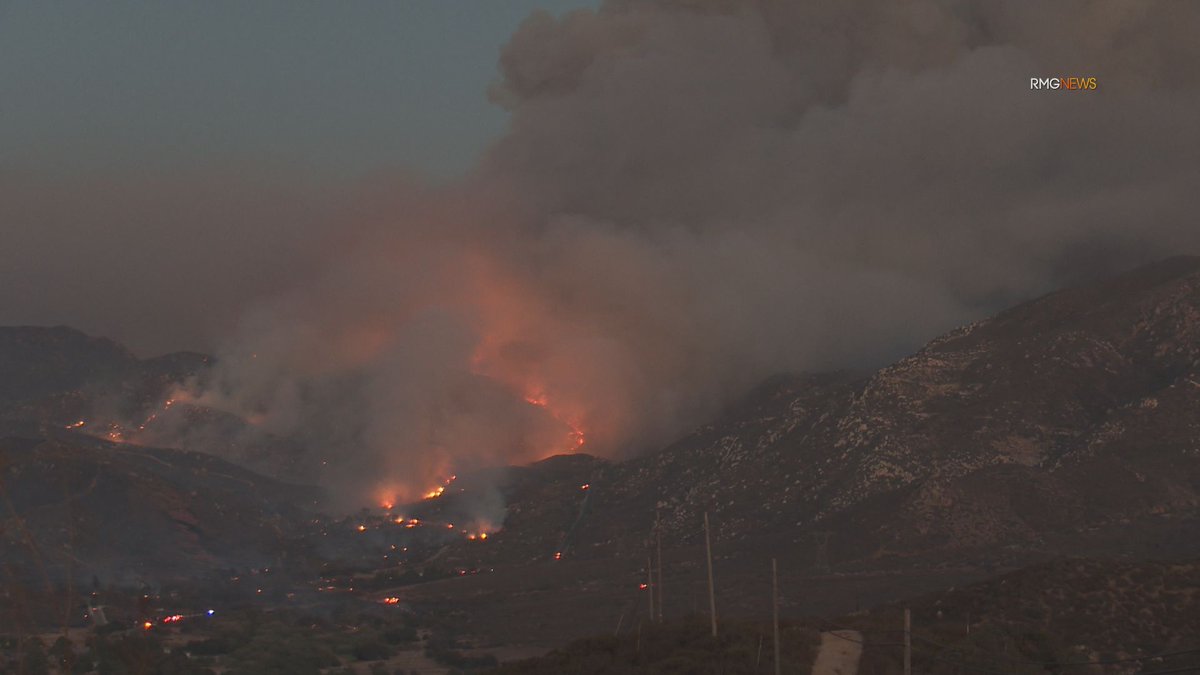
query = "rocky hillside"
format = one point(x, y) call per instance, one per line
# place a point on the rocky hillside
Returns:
point(54, 379)
point(76, 506)
point(1071, 413)
point(1071, 420)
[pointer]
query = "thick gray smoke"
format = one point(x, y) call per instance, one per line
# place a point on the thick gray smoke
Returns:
point(696, 195)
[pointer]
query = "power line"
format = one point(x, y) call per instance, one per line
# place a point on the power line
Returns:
point(1186, 669)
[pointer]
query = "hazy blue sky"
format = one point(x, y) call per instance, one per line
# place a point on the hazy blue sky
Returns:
point(333, 88)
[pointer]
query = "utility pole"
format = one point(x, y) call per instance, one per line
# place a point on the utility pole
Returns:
point(907, 641)
point(712, 597)
point(775, 611)
point(658, 537)
point(650, 584)
point(821, 561)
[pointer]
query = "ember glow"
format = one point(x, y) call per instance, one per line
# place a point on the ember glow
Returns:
point(575, 436)
point(441, 489)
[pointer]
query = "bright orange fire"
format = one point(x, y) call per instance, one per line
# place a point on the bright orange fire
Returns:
point(575, 436)
point(441, 489)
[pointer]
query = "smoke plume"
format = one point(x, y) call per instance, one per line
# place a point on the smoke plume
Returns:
point(694, 195)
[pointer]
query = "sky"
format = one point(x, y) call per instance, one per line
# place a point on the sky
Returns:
point(337, 89)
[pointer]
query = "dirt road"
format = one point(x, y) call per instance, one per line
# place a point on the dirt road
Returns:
point(839, 654)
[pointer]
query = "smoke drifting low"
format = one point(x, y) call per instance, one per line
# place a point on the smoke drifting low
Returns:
point(696, 195)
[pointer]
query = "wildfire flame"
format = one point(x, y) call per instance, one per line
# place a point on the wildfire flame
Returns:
point(441, 489)
point(575, 435)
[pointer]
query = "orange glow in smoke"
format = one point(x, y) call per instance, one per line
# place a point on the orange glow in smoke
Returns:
point(575, 437)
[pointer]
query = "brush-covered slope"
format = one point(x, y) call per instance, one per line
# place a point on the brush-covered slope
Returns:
point(77, 506)
point(1071, 413)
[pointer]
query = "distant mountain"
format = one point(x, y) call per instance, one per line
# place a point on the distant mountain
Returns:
point(59, 378)
point(85, 489)
point(1071, 421)
point(1060, 417)
point(73, 504)
point(52, 376)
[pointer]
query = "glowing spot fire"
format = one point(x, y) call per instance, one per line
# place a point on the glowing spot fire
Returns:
point(441, 489)
point(575, 435)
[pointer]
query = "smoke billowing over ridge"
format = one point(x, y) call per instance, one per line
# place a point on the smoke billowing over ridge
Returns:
point(696, 195)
